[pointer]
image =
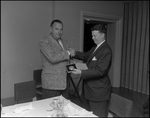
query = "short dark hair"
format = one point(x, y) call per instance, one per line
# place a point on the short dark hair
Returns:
point(100, 27)
point(56, 21)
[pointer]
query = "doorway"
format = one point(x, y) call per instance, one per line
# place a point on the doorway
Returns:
point(114, 39)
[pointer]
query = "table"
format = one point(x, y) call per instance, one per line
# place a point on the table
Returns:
point(40, 109)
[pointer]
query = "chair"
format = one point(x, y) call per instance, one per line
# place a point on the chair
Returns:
point(37, 78)
point(25, 91)
point(120, 106)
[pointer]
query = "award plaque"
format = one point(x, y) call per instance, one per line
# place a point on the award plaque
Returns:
point(71, 67)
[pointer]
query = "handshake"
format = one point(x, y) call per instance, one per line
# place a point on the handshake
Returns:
point(72, 52)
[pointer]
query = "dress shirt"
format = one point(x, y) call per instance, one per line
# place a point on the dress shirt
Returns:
point(60, 43)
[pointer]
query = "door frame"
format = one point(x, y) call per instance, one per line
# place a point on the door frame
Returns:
point(118, 20)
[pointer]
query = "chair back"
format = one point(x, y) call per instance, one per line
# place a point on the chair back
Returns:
point(25, 91)
point(120, 106)
point(37, 77)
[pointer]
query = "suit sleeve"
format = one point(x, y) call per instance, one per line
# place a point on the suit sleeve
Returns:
point(48, 51)
point(83, 55)
point(100, 68)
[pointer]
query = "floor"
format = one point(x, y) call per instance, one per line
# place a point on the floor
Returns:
point(137, 98)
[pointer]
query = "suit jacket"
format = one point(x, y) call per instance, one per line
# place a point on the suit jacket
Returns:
point(54, 63)
point(97, 86)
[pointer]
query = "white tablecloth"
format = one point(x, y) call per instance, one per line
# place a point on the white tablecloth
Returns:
point(42, 108)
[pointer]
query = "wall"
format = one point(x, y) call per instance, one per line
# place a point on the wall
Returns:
point(24, 23)
point(111, 31)
point(69, 13)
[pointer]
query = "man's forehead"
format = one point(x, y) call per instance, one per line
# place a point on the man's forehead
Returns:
point(95, 32)
point(57, 24)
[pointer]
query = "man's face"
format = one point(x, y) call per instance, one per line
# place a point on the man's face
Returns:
point(97, 37)
point(57, 30)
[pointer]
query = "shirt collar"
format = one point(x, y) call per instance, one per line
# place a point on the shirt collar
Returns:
point(100, 43)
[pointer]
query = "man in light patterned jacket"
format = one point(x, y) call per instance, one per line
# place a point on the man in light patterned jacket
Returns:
point(55, 56)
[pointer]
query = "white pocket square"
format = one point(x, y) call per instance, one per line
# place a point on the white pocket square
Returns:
point(94, 59)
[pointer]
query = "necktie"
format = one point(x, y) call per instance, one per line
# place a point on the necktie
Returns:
point(95, 49)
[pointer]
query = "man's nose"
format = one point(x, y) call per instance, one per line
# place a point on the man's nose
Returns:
point(60, 31)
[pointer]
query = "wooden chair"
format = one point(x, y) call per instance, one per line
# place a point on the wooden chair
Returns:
point(37, 78)
point(25, 91)
point(120, 106)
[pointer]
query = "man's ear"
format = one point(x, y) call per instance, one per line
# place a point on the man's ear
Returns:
point(103, 34)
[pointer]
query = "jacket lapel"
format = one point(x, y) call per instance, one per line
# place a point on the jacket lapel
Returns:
point(93, 54)
point(54, 42)
point(64, 44)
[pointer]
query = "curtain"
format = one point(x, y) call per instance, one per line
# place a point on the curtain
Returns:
point(135, 47)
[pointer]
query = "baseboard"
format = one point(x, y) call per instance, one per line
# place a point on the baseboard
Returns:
point(7, 101)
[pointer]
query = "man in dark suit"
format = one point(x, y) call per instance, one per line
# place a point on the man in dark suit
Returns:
point(97, 86)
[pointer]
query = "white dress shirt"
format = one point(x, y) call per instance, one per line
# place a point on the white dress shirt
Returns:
point(60, 43)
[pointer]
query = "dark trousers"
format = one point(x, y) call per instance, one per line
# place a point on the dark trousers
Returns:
point(53, 93)
point(99, 108)
point(46, 93)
